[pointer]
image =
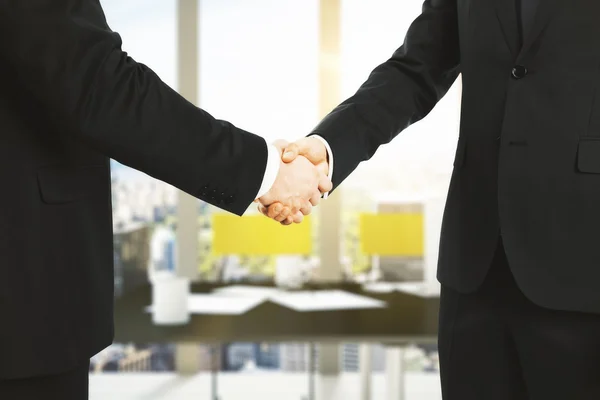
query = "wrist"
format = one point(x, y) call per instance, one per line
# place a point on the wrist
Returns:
point(271, 170)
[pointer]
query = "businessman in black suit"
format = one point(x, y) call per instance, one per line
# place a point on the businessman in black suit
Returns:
point(70, 98)
point(519, 257)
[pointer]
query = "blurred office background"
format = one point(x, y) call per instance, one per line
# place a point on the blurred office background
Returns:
point(275, 67)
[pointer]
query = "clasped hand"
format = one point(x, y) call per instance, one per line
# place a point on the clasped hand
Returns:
point(301, 181)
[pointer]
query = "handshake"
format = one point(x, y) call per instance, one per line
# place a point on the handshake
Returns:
point(302, 179)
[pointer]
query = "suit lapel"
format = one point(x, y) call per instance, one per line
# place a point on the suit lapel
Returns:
point(507, 15)
point(506, 11)
point(543, 15)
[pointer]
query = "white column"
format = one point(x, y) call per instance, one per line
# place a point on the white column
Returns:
point(394, 371)
point(330, 269)
point(187, 358)
point(187, 206)
point(328, 383)
point(187, 355)
point(366, 369)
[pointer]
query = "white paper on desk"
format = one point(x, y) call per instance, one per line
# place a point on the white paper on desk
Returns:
point(229, 305)
point(421, 289)
point(248, 291)
point(327, 300)
point(239, 300)
point(389, 287)
point(210, 304)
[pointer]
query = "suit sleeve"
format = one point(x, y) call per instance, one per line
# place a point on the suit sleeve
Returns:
point(65, 56)
point(399, 92)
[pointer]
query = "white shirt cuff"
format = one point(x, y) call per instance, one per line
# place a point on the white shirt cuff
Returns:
point(271, 171)
point(330, 157)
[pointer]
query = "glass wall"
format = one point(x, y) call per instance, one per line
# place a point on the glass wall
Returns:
point(143, 207)
point(259, 70)
point(413, 167)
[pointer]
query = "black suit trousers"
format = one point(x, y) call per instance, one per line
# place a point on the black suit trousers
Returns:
point(70, 385)
point(495, 344)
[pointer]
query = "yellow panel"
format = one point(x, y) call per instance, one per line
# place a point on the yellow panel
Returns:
point(258, 235)
point(398, 234)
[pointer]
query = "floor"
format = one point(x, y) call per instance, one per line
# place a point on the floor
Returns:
point(246, 386)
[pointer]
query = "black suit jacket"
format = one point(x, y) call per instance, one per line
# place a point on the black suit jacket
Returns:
point(69, 100)
point(528, 158)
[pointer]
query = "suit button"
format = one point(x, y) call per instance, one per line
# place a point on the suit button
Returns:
point(519, 72)
point(213, 194)
point(229, 199)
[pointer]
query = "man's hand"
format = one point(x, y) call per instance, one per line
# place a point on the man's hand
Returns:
point(311, 148)
point(314, 151)
point(295, 190)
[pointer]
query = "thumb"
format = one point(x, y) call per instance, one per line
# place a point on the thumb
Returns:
point(281, 144)
point(300, 147)
point(290, 153)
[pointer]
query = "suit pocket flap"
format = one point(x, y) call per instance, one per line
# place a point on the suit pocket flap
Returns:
point(65, 184)
point(588, 156)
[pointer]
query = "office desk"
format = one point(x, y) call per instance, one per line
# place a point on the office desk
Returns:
point(408, 317)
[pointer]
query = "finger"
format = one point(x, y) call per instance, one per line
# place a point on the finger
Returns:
point(298, 217)
point(280, 218)
point(263, 210)
point(295, 205)
point(300, 203)
point(283, 214)
point(306, 208)
point(323, 168)
point(274, 209)
point(325, 184)
point(287, 221)
point(315, 199)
